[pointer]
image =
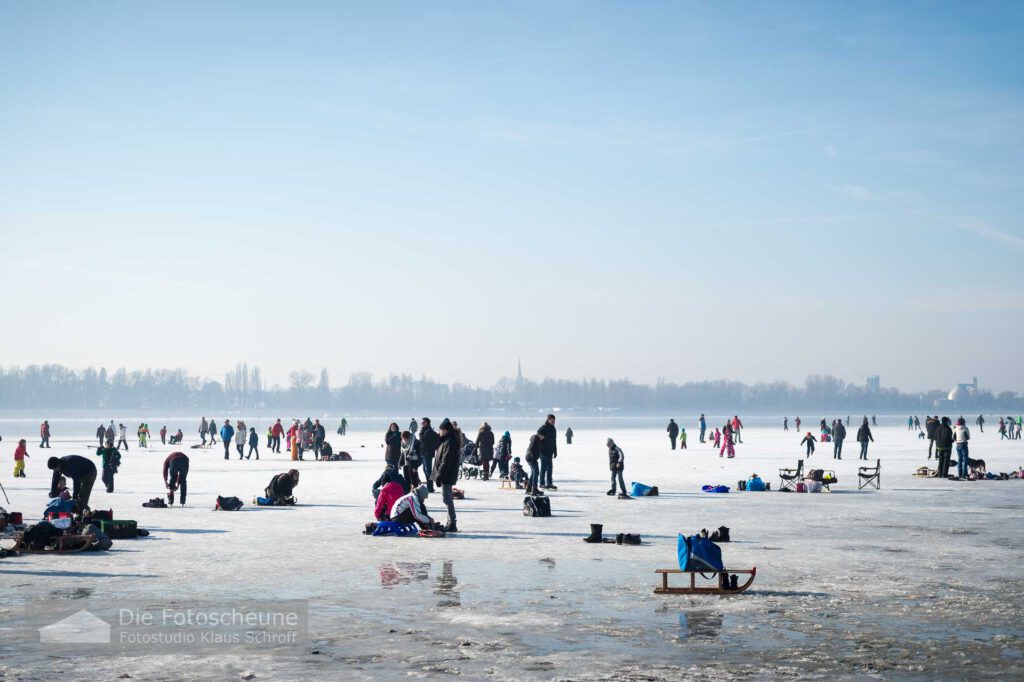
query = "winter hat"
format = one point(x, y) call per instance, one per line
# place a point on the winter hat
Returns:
point(446, 425)
point(507, 435)
point(609, 442)
point(422, 491)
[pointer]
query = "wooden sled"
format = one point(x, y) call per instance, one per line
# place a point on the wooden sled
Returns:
point(506, 483)
point(695, 589)
point(64, 544)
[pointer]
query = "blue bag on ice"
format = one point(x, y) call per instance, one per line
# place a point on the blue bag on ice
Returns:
point(755, 484)
point(395, 528)
point(715, 488)
point(640, 490)
point(698, 554)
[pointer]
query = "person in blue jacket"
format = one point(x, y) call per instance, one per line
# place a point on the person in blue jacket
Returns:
point(703, 427)
point(755, 484)
point(227, 432)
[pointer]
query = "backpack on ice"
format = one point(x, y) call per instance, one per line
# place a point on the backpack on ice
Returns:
point(228, 503)
point(698, 554)
point(536, 505)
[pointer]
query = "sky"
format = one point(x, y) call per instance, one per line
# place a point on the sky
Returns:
point(685, 190)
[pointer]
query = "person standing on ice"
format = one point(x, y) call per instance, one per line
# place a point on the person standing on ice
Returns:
point(716, 440)
point(428, 440)
point(727, 444)
point(227, 432)
point(930, 424)
point(254, 443)
point(278, 432)
point(242, 433)
point(864, 437)
point(703, 426)
point(203, 430)
point(809, 441)
point(673, 432)
point(163, 435)
point(503, 455)
point(549, 451)
point(319, 436)
point(980, 421)
point(568, 436)
point(176, 476)
point(534, 450)
point(44, 434)
point(943, 446)
point(785, 423)
point(839, 434)
point(122, 437)
point(682, 439)
point(737, 428)
point(616, 463)
point(20, 453)
point(961, 435)
point(392, 445)
point(100, 433)
point(110, 458)
point(446, 473)
point(343, 428)
point(485, 446)
point(874, 422)
point(796, 422)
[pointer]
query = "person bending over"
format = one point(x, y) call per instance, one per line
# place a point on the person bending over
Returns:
point(176, 476)
point(281, 487)
point(80, 470)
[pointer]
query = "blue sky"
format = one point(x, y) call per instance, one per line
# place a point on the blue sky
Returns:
point(685, 190)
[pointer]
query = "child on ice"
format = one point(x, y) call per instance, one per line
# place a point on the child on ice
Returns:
point(20, 453)
point(516, 473)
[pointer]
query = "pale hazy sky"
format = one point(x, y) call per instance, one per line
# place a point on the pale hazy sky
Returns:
point(687, 190)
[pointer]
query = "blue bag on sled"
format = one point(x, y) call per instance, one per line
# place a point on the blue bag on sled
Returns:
point(698, 554)
point(640, 490)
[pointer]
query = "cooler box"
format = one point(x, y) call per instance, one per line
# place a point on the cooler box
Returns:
point(120, 530)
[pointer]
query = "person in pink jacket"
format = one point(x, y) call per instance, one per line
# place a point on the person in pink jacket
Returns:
point(386, 499)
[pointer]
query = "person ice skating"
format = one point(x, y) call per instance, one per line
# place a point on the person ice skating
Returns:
point(44, 434)
point(446, 473)
point(943, 446)
point(737, 428)
point(980, 421)
point(1002, 429)
point(703, 427)
point(785, 423)
point(616, 463)
point(227, 432)
point(428, 441)
point(485, 446)
point(411, 508)
point(122, 437)
point(682, 439)
point(503, 455)
point(809, 440)
point(20, 453)
point(203, 430)
point(163, 435)
point(534, 451)
point(727, 442)
point(110, 460)
point(80, 470)
point(410, 460)
point(673, 432)
point(281, 487)
point(796, 423)
point(176, 476)
point(254, 443)
point(278, 432)
point(568, 436)
point(101, 433)
point(392, 445)
point(864, 437)
point(549, 451)
point(389, 493)
point(839, 435)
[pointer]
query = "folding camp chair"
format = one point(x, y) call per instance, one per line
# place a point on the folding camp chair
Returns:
point(871, 476)
point(790, 477)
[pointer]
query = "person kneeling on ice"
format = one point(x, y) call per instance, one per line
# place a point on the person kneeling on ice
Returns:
point(616, 462)
point(390, 475)
point(176, 475)
point(411, 509)
point(386, 498)
point(281, 486)
point(755, 484)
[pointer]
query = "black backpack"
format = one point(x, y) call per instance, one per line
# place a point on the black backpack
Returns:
point(536, 505)
point(228, 503)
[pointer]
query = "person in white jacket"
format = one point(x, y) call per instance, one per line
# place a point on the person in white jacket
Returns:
point(410, 509)
point(961, 434)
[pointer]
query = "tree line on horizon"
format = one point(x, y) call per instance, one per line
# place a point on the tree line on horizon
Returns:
point(59, 387)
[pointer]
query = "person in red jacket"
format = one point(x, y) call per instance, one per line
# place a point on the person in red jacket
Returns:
point(737, 428)
point(277, 434)
point(20, 453)
point(386, 499)
point(44, 434)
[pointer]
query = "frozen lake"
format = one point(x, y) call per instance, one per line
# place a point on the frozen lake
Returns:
point(921, 580)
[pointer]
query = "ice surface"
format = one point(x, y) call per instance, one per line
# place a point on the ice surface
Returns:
point(921, 580)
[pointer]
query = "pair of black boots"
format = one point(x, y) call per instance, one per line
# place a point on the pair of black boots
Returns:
point(597, 536)
point(155, 502)
point(720, 535)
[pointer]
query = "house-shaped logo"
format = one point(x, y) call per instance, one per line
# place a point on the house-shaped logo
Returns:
point(78, 628)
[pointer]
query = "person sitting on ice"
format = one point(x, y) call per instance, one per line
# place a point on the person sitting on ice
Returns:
point(755, 484)
point(516, 473)
point(176, 438)
point(386, 498)
point(410, 509)
point(281, 487)
point(390, 475)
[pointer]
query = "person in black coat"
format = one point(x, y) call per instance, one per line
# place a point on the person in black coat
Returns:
point(282, 485)
point(446, 473)
point(930, 424)
point(549, 451)
point(568, 436)
point(864, 437)
point(943, 446)
point(390, 475)
point(839, 434)
point(428, 441)
point(392, 445)
point(673, 432)
point(485, 446)
point(80, 470)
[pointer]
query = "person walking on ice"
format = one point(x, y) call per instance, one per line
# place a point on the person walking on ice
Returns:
point(616, 463)
point(673, 432)
point(122, 437)
point(864, 437)
point(809, 441)
point(226, 433)
point(20, 453)
point(254, 443)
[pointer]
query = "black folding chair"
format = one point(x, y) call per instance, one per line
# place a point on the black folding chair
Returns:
point(871, 476)
point(790, 477)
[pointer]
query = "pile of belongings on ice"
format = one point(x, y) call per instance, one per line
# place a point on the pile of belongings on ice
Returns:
point(641, 490)
point(597, 537)
point(715, 488)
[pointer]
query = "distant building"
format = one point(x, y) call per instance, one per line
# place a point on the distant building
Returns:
point(874, 384)
point(961, 396)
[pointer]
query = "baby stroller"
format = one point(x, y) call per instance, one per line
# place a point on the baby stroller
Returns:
point(469, 462)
